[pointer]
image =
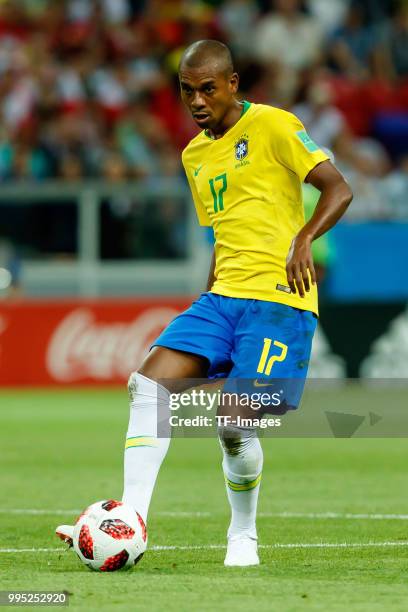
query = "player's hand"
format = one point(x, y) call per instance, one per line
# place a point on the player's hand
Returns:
point(299, 263)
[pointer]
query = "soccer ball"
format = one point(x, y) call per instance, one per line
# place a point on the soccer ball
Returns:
point(110, 535)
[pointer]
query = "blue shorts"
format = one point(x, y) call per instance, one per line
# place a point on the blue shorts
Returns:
point(246, 339)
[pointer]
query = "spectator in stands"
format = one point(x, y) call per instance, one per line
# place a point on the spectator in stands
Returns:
point(330, 14)
point(365, 163)
point(70, 168)
point(237, 19)
point(29, 163)
point(288, 35)
point(115, 169)
point(394, 42)
point(6, 154)
point(375, 11)
point(116, 11)
point(140, 136)
point(286, 41)
point(324, 122)
point(352, 44)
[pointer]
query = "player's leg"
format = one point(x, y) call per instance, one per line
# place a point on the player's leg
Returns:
point(147, 443)
point(278, 336)
point(148, 435)
point(242, 466)
point(196, 341)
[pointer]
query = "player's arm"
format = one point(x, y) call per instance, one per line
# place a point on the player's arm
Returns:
point(211, 275)
point(335, 197)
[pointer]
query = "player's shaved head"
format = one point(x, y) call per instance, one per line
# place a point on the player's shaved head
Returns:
point(205, 52)
point(208, 85)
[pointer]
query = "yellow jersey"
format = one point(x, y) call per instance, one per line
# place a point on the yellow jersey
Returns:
point(247, 186)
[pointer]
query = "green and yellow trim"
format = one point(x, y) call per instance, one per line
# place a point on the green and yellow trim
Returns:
point(246, 486)
point(141, 441)
point(245, 107)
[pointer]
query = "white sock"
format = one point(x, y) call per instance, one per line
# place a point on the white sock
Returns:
point(145, 446)
point(242, 465)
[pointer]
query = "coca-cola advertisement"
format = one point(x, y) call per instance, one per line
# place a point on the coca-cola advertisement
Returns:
point(78, 342)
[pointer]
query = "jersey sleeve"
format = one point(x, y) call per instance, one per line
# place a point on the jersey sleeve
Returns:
point(201, 211)
point(293, 147)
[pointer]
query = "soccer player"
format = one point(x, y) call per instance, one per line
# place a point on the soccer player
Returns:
point(258, 315)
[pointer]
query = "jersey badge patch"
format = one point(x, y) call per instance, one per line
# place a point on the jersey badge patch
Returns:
point(241, 148)
point(307, 142)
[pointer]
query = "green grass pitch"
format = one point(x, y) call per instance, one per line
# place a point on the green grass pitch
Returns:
point(61, 450)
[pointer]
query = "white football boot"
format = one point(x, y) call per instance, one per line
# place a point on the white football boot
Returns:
point(65, 533)
point(242, 550)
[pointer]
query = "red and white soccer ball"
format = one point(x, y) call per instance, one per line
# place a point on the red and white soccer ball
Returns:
point(110, 535)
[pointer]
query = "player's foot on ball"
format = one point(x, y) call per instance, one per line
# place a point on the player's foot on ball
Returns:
point(241, 551)
point(65, 533)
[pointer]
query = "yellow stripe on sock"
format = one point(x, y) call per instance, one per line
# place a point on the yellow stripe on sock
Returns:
point(141, 441)
point(246, 486)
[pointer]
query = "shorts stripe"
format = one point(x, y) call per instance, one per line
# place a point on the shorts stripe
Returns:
point(246, 486)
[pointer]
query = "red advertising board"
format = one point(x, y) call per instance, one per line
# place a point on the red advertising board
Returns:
point(78, 342)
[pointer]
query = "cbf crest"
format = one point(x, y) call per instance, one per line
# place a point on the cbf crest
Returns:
point(241, 147)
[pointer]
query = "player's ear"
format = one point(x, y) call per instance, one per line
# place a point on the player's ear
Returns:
point(234, 82)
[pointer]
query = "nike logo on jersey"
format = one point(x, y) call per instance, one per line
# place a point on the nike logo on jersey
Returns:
point(197, 170)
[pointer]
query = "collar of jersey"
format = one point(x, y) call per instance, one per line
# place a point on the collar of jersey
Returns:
point(245, 107)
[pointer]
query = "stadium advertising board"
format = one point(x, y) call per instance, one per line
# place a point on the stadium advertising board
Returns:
point(78, 342)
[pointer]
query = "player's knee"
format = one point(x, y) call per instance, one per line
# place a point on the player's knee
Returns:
point(132, 384)
point(231, 444)
point(148, 397)
point(234, 440)
point(140, 384)
point(242, 454)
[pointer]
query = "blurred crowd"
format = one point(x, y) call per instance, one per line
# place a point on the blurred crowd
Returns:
point(88, 88)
